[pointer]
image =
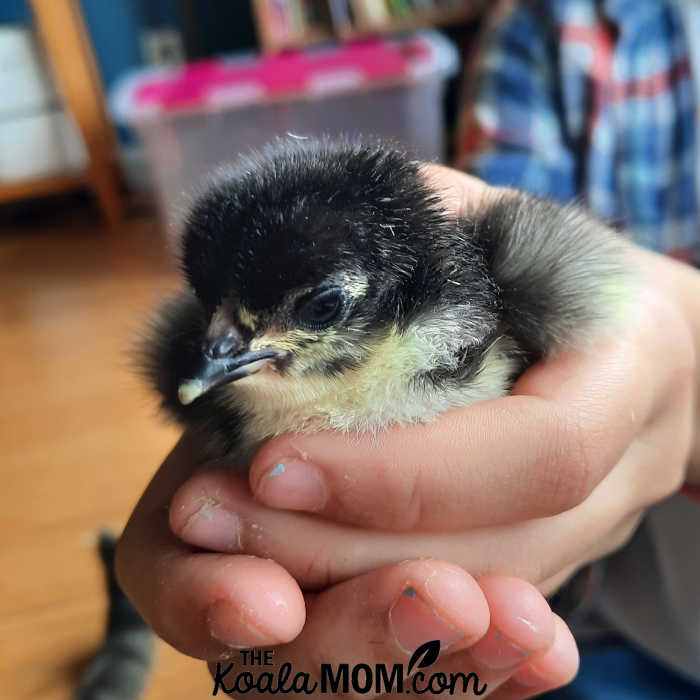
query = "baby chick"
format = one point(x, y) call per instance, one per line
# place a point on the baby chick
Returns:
point(330, 287)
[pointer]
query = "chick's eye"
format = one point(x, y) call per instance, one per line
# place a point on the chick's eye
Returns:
point(321, 309)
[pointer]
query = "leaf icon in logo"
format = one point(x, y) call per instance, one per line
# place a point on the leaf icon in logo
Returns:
point(425, 655)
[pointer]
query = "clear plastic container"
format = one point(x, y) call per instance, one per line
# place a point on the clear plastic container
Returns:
point(194, 119)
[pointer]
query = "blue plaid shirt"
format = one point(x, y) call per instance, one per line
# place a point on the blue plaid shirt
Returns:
point(593, 101)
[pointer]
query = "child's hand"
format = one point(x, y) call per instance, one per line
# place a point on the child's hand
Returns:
point(533, 485)
point(208, 605)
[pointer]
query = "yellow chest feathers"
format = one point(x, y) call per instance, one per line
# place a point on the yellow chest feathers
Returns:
point(379, 392)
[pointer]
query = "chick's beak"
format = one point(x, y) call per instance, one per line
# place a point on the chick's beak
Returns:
point(225, 358)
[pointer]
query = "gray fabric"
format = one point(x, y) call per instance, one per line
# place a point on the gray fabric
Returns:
point(650, 590)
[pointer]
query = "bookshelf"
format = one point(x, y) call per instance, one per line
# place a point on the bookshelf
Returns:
point(286, 24)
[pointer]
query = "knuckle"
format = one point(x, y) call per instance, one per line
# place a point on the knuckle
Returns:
point(667, 458)
point(617, 536)
point(625, 532)
point(315, 569)
point(670, 477)
point(571, 464)
point(359, 507)
point(673, 482)
point(412, 514)
point(395, 499)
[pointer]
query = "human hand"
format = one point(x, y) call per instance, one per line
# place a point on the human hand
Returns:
point(605, 418)
point(535, 485)
point(209, 605)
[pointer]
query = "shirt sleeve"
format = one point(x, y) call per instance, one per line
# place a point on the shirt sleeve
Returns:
point(512, 130)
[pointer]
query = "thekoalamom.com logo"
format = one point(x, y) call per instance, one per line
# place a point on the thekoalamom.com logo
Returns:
point(344, 678)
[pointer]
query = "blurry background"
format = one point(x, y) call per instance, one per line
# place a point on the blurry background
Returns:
point(110, 115)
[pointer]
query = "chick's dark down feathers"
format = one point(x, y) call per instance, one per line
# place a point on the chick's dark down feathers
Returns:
point(520, 277)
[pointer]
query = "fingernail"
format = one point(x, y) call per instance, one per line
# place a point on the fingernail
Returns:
point(293, 485)
point(227, 625)
point(497, 652)
point(214, 527)
point(413, 622)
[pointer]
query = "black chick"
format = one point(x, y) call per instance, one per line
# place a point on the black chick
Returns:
point(329, 287)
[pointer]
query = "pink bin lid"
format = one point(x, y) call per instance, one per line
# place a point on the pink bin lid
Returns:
point(232, 82)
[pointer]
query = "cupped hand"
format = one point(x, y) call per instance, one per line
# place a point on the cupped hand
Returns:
point(533, 485)
point(497, 637)
point(211, 605)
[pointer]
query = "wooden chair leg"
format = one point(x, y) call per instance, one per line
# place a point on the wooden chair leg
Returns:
point(105, 184)
point(68, 47)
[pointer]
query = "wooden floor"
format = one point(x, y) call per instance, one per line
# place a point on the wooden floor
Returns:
point(79, 437)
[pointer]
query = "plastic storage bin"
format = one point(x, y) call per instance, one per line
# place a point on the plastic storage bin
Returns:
point(195, 118)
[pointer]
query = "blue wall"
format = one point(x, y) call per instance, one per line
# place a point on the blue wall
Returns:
point(212, 26)
point(13, 11)
point(114, 29)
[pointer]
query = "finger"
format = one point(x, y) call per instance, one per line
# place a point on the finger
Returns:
point(383, 616)
point(521, 627)
point(551, 669)
point(530, 455)
point(332, 552)
point(461, 193)
point(201, 603)
point(388, 613)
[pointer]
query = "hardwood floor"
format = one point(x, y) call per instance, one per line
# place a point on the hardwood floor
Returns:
point(79, 437)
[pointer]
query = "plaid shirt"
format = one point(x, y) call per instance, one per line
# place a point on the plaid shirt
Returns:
point(589, 100)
